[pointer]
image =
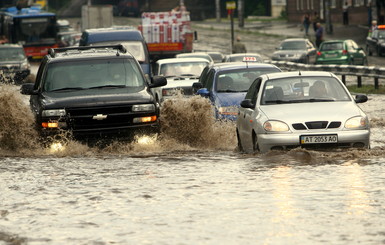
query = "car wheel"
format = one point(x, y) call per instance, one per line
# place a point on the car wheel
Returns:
point(240, 147)
point(368, 51)
point(255, 143)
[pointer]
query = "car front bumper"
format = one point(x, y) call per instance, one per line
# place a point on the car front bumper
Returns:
point(347, 138)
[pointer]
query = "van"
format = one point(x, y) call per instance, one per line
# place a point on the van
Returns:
point(130, 38)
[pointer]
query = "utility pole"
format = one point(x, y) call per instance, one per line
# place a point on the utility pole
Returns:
point(328, 19)
point(241, 20)
point(218, 10)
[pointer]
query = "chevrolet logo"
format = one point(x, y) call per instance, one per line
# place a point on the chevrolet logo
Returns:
point(99, 117)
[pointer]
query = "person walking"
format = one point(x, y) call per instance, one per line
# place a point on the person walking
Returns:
point(306, 23)
point(319, 35)
point(239, 47)
point(372, 28)
point(316, 19)
point(345, 13)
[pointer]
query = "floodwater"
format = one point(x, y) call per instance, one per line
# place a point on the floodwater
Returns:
point(188, 185)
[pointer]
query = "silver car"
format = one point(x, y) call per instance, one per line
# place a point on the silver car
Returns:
point(301, 109)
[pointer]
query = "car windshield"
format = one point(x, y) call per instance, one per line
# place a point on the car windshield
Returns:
point(236, 81)
point(293, 45)
point(182, 69)
point(303, 90)
point(192, 55)
point(94, 74)
point(134, 47)
point(332, 46)
point(12, 54)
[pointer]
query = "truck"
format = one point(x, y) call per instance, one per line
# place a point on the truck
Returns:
point(167, 33)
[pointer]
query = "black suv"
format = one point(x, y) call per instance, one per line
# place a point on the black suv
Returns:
point(93, 91)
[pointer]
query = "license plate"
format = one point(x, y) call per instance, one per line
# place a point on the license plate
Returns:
point(330, 55)
point(318, 139)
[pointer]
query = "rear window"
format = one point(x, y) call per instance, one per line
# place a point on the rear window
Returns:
point(332, 46)
point(94, 73)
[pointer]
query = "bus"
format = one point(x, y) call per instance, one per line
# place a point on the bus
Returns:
point(31, 27)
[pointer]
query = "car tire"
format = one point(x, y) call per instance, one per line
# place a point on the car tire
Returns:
point(240, 147)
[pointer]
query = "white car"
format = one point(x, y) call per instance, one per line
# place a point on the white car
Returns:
point(196, 55)
point(180, 74)
point(301, 109)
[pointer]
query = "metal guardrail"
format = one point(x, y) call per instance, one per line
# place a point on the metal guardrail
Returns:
point(342, 70)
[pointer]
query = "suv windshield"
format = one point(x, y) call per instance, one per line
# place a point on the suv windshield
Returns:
point(93, 74)
point(303, 90)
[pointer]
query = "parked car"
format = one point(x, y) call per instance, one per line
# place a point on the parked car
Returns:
point(299, 50)
point(92, 92)
point(180, 74)
point(301, 109)
point(226, 84)
point(341, 52)
point(376, 42)
point(14, 64)
point(250, 57)
point(196, 55)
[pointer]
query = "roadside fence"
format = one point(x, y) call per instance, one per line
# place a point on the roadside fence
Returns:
point(374, 72)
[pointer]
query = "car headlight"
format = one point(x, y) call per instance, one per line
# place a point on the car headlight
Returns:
point(25, 66)
point(275, 126)
point(54, 113)
point(143, 108)
point(356, 123)
point(228, 110)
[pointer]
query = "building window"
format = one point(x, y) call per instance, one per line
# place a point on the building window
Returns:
point(333, 4)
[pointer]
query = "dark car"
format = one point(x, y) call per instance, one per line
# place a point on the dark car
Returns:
point(92, 92)
point(375, 44)
point(341, 52)
point(299, 50)
point(14, 64)
point(226, 84)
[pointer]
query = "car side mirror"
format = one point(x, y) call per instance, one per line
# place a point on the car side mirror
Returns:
point(203, 92)
point(158, 81)
point(28, 89)
point(361, 98)
point(247, 104)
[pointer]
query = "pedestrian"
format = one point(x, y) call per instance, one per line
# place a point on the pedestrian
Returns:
point(345, 13)
point(319, 35)
point(316, 19)
point(372, 28)
point(239, 47)
point(306, 23)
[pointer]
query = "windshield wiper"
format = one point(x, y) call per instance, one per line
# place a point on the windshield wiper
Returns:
point(321, 100)
point(109, 86)
point(227, 91)
point(69, 88)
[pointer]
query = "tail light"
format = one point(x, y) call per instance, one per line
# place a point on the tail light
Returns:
point(344, 51)
point(319, 53)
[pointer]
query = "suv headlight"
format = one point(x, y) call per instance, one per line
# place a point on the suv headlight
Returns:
point(275, 126)
point(143, 108)
point(54, 113)
point(356, 123)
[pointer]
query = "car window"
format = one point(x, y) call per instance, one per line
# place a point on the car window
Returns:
point(93, 73)
point(210, 80)
point(332, 46)
point(183, 69)
point(12, 54)
point(303, 90)
point(293, 45)
point(203, 77)
point(241, 79)
point(252, 94)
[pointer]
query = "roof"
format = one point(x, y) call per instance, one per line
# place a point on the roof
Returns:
point(26, 12)
point(298, 74)
point(111, 34)
point(181, 60)
point(241, 65)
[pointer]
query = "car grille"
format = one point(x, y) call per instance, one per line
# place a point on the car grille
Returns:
point(9, 69)
point(117, 117)
point(316, 125)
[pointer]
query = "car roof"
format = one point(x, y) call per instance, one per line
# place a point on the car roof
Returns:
point(240, 65)
point(112, 34)
point(243, 54)
point(181, 60)
point(295, 39)
point(293, 74)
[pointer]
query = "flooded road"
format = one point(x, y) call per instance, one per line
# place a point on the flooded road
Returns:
point(189, 185)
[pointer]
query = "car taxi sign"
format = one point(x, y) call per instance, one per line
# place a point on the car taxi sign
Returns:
point(249, 59)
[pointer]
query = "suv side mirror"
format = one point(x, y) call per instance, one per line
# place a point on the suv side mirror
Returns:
point(361, 98)
point(158, 81)
point(203, 92)
point(27, 89)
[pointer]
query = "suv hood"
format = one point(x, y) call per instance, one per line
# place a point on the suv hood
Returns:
point(95, 97)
